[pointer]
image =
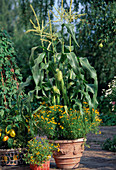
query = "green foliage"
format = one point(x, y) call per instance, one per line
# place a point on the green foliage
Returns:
point(23, 45)
point(107, 104)
point(9, 75)
point(14, 17)
point(39, 151)
point(109, 144)
point(8, 11)
point(108, 119)
point(96, 37)
point(13, 126)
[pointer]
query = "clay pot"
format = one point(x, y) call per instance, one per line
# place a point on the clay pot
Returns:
point(69, 153)
point(44, 166)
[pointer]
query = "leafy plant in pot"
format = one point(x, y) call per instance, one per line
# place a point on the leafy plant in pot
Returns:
point(39, 153)
point(65, 86)
point(13, 127)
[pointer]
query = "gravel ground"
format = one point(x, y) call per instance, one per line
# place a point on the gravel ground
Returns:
point(94, 158)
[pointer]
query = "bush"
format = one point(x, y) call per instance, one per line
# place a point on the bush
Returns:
point(107, 104)
point(109, 144)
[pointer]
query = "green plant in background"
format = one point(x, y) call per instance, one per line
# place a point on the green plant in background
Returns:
point(39, 151)
point(13, 130)
point(14, 18)
point(110, 144)
point(96, 37)
point(60, 76)
point(107, 104)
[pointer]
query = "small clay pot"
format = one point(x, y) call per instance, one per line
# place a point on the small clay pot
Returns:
point(44, 166)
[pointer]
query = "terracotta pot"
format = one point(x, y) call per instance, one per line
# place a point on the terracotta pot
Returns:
point(11, 156)
point(44, 166)
point(69, 154)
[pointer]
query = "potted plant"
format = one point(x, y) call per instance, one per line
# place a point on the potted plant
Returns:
point(39, 153)
point(65, 87)
point(14, 132)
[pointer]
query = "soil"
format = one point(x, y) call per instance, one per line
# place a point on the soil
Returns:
point(94, 158)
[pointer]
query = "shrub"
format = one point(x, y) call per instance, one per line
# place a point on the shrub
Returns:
point(110, 144)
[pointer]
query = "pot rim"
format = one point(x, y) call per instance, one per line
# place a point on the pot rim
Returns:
point(17, 149)
point(68, 141)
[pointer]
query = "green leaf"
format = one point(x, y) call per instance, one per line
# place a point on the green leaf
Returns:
point(2, 113)
point(85, 64)
point(23, 85)
point(36, 74)
point(9, 127)
point(39, 59)
point(70, 29)
point(31, 59)
point(18, 118)
point(10, 142)
point(68, 48)
point(73, 61)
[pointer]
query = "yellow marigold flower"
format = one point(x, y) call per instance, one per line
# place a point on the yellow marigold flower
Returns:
point(43, 102)
point(37, 153)
point(85, 102)
point(58, 150)
point(51, 107)
point(49, 111)
point(42, 117)
point(58, 144)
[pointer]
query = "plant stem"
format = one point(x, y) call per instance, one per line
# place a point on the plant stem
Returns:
point(70, 42)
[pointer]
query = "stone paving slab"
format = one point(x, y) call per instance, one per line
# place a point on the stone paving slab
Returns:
point(94, 158)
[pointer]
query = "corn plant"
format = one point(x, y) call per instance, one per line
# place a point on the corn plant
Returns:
point(60, 76)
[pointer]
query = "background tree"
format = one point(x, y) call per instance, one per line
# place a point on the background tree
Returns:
point(96, 37)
